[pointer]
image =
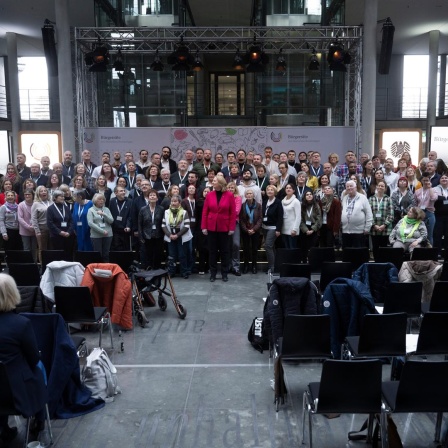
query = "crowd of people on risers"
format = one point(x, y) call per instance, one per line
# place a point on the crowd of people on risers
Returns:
point(207, 207)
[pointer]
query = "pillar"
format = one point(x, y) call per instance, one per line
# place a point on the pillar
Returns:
point(432, 84)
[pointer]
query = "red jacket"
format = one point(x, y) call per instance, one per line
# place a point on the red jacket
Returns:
point(219, 217)
point(115, 292)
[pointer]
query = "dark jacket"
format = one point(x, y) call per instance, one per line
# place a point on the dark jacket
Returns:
point(377, 277)
point(346, 301)
point(54, 220)
point(288, 295)
point(122, 215)
point(137, 204)
point(32, 300)
point(274, 214)
point(145, 230)
point(245, 221)
point(20, 354)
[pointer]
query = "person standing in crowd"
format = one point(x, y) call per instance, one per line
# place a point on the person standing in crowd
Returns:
point(218, 223)
point(425, 199)
point(331, 217)
point(312, 181)
point(101, 186)
point(174, 189)
point(79, 183)
point(189, 204)
point(150, 231)
point(130, 175)
point(434, 177)
point(235, 241)
point(153, 175)
point(441, 215)
point(402, 200)
point(39, 218)
point(14, 177)
point(9, 223)
point(272, 212)
point(176, 227)
point(82, 229)
point(137, 190)
point(413, 183)
point(54, 182)
point(22, 169)
point(166, 161)
point(100, 219)
point(368, 175)
point(26, 228)
point(324, 180)
point(68, 167)
point(20, 355)
point(291, 217)
point(179, 177)
point(410, 232)
point(108, 173)
point(383, 216)
point(7, 185)
point(143, 161)
point(262, 180)
point(310, 224)
point(356, 218)
point(250, 223)
point(121, 210)
point(60, 225)
point(201, 239)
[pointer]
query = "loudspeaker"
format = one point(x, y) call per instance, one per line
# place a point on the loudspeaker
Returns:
point(50, 50)
point(387, 41)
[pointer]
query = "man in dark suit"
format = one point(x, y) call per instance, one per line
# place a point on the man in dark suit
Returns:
point(166, 160)
point(58, 169)
point(23, 170)
point(121, 209)
point(68, 167)
point(36, 175)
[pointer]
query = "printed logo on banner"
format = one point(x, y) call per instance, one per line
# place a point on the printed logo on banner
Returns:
point(276, 137)
point(89, 138)
point(399, 148)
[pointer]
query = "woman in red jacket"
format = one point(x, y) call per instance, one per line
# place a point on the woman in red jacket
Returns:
point(218, 222)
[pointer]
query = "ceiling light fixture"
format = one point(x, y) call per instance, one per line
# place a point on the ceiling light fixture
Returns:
point(238, 63)
point(255, 58)
point(337, 57)
point(197, 64)
point(98, 59)
point(181, 59)
point(281, 63)
point(314, 64)
point(118, 64)
point(157, 65)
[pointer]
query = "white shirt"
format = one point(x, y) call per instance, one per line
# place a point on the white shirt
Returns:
point(391, 180)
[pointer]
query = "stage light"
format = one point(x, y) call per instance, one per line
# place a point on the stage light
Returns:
point(98, 59)
point(314, 64)
point(255, 59)
point(157, 65)
point(197, 64)
point(118, 64)
point(337, 57)
point(238, 63)
point(281, 63)
point(181, 58)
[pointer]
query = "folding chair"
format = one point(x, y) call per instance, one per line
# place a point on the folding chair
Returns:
point(425, 253)
point(80, 344)
point(439, 298)
point(304, 337)
point(283, 255)
point(7, 406)
point(75, 305)
point(25, 274)
point(356, 256)
point(124, 259)
point(422, 388)
point(19, 256)
point(333, 270)
point(87, 257)
point(319, 255)
point(49, 256)
point(433, 336)
point(295, 270)
point(345, 388)
point(392, 255)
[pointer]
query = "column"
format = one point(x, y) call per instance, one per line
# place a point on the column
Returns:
point(13, 84)
point(432, 84)
point(67, 113)
point(369, 64)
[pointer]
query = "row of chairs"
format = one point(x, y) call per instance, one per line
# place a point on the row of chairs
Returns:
point(354, 255)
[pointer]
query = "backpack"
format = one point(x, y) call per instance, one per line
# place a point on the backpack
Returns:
point(100, 376)
point(257, 336)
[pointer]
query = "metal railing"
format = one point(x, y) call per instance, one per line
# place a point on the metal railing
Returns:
point(34, 104)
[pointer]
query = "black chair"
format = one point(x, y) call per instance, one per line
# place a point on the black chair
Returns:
point(357, 256)
point(124, 259)
point(404, 298)
point(382, 336)
point(333, 270)
point(75, 305)
point(295, 270)
point(439, 298)
point(392, 255)
point(304, 337)
point(25, 274)
point(425, 253)
point(7, 406)
point(87, 257)
point(433, 336)
point(319, 255)
point(444, 275)
point(48, 256)
point(80, 344)
point(345, 387)
point(422, 388)
point(283, 255)
point(19, 256)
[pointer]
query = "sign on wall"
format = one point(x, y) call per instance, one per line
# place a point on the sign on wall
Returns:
point(399, 141)
point(439, 141)
point(219, 139)
point(35, 145)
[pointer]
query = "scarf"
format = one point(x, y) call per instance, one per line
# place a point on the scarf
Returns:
point(405, 222)
point(326, 203)
point(11, 177)
point(175, 216)
point(250, 211)
point(11, 208)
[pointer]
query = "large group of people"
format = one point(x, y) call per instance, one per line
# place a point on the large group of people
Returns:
point(203, 209)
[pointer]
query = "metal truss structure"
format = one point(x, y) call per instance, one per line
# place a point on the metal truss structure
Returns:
point(291, 40)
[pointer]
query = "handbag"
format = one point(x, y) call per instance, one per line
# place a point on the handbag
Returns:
point(100, 376)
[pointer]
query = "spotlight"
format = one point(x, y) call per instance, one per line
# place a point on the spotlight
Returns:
point(337, 57)
point(255, 54)
point(157, 65)
point(197, 65)
point(238, 63)
point(256, 59)
point(181, 58)
point(118, 64)
point(97, 59)
point(314, 62)
point(281, 63)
